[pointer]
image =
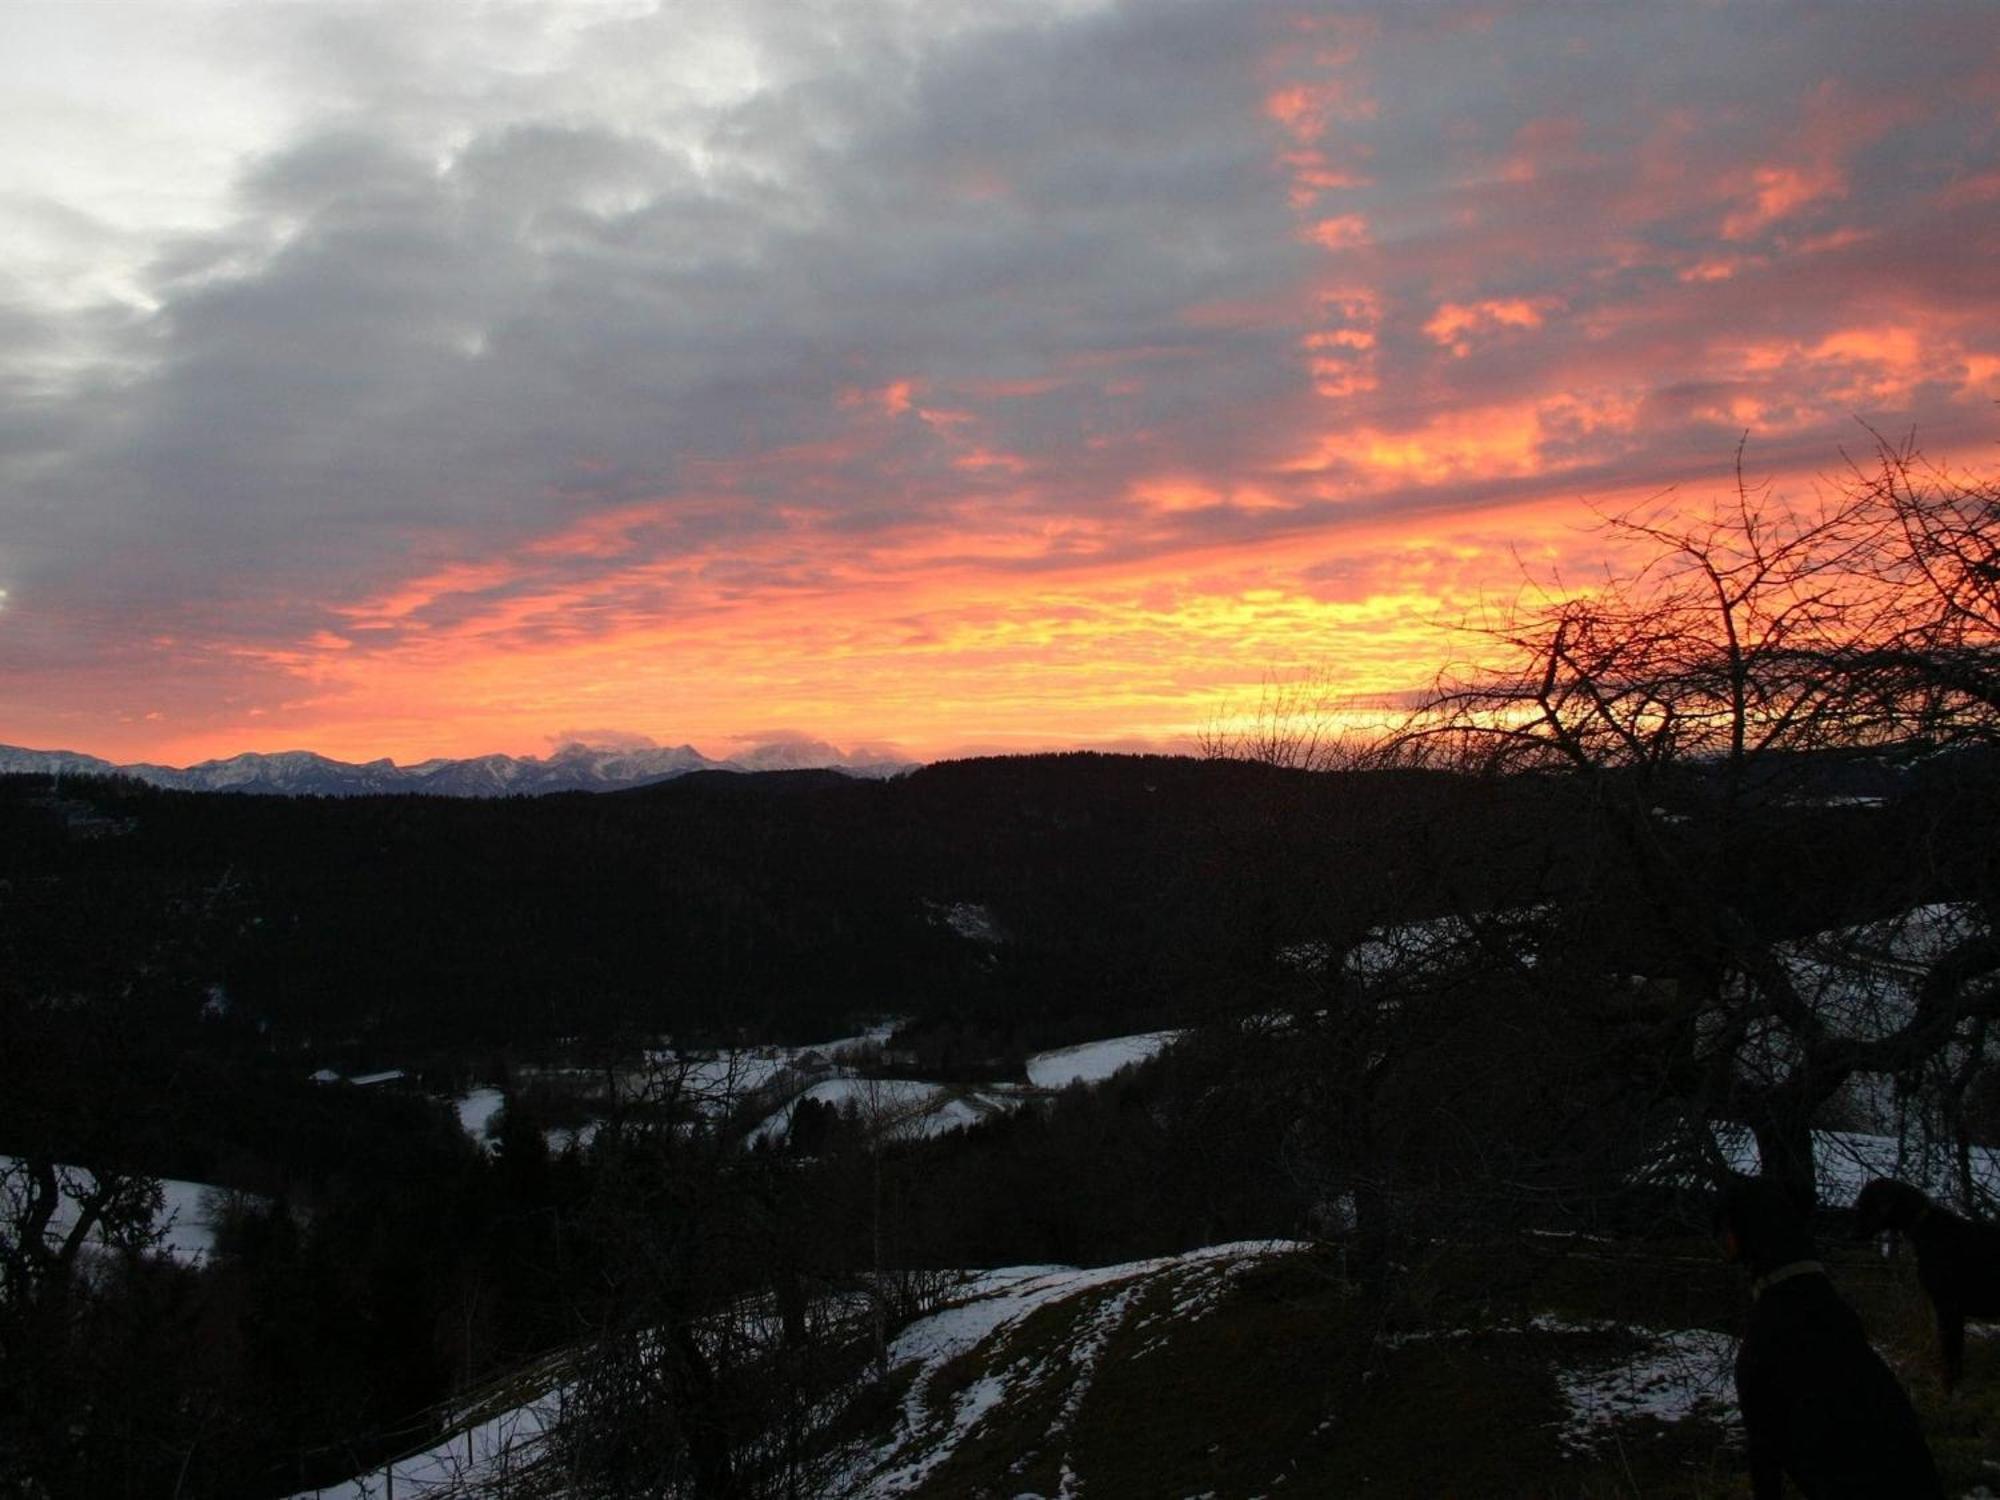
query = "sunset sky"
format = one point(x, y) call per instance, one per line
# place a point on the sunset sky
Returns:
point(436, 377)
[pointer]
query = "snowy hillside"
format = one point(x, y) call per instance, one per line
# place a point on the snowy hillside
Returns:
point(1232, 1369)
point(1093, 1062)
point(1018, 1360)
point(987, 1320)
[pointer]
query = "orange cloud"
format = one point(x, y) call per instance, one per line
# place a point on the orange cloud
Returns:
point(1779, 192)
point(1305, 110)
point(987, 458)
point(1341, 232)
point(892, 399)
point(1716, 268)
point(1513, 439)
point(1340, 354)
point(409, 598)
point(1796, 383)
point(1313, 173)
point(1458, 325)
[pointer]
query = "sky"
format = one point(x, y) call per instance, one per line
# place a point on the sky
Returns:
point(440, 377)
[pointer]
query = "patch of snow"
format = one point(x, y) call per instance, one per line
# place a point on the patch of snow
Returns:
point(1305, 958)
point(561, 1137)
point(476, 1112)
point(1093, 1062)
point(892, 1108)
point(1442, 944)
point(1673, 1377)
point(474, 1462)
point(718, 1080)
point(728, 1076)
point(846, 1051)
point(1555, 1323)
point(1862, 980)
point(1844, 1161)
point(973, 922)
point(992, 1303)
point(184, 1218)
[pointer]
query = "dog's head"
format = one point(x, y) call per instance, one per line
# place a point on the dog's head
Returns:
point(1887, 1204)
point(1760, 1227)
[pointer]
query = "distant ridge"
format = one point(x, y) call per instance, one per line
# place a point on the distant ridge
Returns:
point(573, 768)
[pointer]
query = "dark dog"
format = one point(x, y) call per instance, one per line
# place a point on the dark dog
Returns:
point(1958, 1261)
point(1818, 1403)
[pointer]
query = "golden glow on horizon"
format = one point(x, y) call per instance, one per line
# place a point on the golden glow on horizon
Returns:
point(931, 643)
point(950, 656)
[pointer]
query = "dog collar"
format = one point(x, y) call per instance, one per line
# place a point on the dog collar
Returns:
point(1764, 1284)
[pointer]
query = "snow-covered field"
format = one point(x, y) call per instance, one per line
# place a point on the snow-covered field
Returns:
point(1862, 980)
point(479, 1116)
point(910, 1109)
point(726, 1076)
point(894, 1108)
point(184, 1217)
point(1093, 1062)
point(715, 1081)
point(1845, 1161)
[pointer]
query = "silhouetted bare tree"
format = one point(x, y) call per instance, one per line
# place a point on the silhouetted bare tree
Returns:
point(1701, 700)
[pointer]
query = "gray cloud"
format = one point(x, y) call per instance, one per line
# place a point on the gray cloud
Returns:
point(383, 346)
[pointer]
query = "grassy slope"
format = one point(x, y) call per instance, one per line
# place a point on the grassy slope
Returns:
point(1293, 1383)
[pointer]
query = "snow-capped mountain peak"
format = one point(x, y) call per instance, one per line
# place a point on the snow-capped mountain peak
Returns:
point(573, 766)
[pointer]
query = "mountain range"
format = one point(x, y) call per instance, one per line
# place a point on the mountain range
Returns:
point(571, 768)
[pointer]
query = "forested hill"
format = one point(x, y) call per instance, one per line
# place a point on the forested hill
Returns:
point(1021, 901)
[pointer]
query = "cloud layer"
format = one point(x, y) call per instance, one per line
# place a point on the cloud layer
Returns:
point(948, 374)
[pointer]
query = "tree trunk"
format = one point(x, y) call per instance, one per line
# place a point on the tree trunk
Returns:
point(708, 1435)
point(1372, 1237)
point(1785, 1151)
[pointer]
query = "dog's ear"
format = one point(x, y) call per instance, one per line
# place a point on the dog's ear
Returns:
point(1885, 1204)
point(1870, 1208)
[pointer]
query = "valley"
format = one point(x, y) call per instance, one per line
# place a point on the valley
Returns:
point(1052, 1126)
